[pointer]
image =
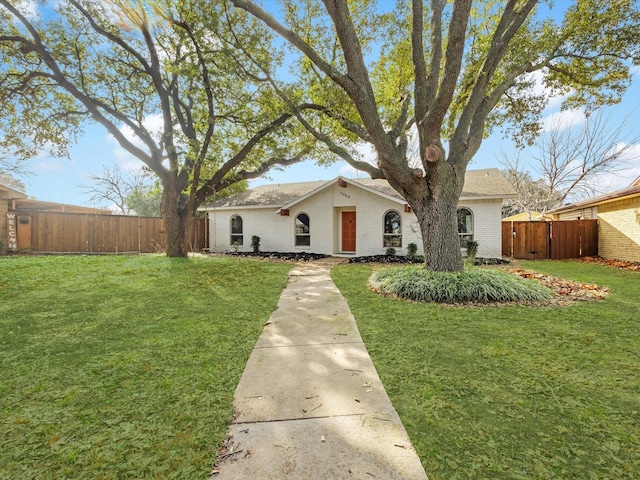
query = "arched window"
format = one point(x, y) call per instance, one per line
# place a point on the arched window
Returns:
point(465, 226)
point(237, 238)
point(303, 230)
point(392, 229)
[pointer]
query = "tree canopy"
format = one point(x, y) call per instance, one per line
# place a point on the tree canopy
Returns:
point(120, 63)
point(453, 70)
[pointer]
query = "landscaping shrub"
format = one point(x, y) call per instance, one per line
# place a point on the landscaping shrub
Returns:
point(470, 285)
point(255, 244)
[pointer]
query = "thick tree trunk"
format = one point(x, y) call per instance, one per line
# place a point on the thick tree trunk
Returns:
point(438, 225)
point(177, 223)
point(434, 200)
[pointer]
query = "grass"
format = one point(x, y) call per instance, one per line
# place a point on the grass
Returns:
point(513, 392)
point(473, 284)
point(124, 367)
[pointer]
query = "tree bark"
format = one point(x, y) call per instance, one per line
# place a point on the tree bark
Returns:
point(440, 241)
point(434, 200)
point(177, 222)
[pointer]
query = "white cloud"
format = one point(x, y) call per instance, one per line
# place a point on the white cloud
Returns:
point(622, 177)
point(348, 171)
point(564, 120)
point(125, 160)
point(51, 165)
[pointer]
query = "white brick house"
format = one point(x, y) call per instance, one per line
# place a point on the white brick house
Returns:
point(349, 216)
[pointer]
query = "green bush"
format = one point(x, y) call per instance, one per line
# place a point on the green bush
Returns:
point(472, 249)
point(390, 251)
point(255, 243)
point(471, 285)
point(412, 250)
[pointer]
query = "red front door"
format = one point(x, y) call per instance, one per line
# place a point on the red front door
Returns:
point(348, 231)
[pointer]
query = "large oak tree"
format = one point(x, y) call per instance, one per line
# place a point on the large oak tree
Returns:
point(123, 63)
point(453, 70)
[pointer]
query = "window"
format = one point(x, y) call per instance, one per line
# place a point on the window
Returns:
point(392, 229)
point(237, 238)
point(303, 236)
point(465, 226)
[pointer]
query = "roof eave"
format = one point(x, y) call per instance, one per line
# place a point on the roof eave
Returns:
point(596, 201)
point(211, 208)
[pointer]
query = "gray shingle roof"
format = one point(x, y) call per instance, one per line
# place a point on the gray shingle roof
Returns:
point(478, 183)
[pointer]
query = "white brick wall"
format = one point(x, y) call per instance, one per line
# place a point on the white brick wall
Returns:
point(487, 226)
point(324, 209)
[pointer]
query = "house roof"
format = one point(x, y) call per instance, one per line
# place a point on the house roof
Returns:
point(486, 183)
point(11, 193)
point(31, 205)
point(527, 216)
point(632, 191)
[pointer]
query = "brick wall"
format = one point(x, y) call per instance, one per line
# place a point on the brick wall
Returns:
point(487, 226)
point(619, 230)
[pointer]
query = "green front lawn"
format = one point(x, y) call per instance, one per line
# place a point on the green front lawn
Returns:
point(512, 392)
point(124, 367)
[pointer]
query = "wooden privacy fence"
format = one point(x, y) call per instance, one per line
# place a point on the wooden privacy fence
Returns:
point(58, 232)
point(555, 240)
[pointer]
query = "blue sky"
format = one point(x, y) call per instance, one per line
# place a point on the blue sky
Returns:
point(60, 180)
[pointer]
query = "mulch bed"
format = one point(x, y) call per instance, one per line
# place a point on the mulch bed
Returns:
point(634, 266)
point(418, 259)
point(567, 291)
point(291, 256)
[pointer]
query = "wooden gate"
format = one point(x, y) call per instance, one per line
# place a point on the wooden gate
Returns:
point(550, 240)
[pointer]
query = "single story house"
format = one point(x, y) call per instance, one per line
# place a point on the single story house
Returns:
point(618, 215)
point(345, 216)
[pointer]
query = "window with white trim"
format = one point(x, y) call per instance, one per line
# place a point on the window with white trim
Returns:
point(303, 230)
point(465, 226)
point(392, 236)
point(237, 237)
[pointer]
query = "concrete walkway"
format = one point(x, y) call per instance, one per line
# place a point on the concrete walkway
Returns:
point(310, 403)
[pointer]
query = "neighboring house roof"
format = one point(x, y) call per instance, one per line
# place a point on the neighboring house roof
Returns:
point(632, 191)
point(527, 216)
point(487, 184)
point(11, 193)
point(19, 201)
point(635, 183)
point(31, 205)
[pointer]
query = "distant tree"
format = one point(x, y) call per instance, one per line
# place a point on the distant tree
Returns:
point(454, 70)
point(113, 187)
point(12, 182)
point(569, 158)
point(146, 200)
point(119, 63)
point(531, 195)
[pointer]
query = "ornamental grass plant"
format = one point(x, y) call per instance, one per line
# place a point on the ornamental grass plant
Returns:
point(474, 284)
